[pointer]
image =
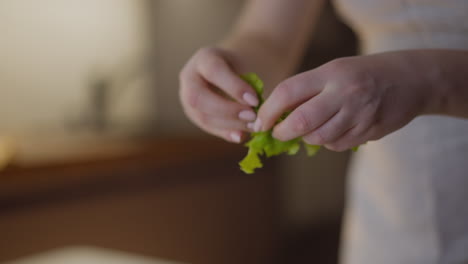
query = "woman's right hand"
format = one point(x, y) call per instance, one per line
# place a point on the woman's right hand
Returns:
point(214, 97)
point(268, 38)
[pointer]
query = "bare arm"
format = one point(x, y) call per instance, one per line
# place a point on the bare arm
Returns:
point(447, 80)
point(352, 100)
point(279, 28)
point(268, 38)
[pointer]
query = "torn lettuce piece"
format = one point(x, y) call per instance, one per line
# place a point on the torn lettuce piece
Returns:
point(277, 147)
point(311, 149)
point(257, 84)
point(263, 143)
point(251, 162)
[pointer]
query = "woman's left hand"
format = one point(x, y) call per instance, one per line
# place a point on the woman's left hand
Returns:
point(348, 101)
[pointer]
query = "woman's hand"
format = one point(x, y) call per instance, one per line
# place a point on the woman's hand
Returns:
point(268, 38)
point(213, 95)
point(348, 101)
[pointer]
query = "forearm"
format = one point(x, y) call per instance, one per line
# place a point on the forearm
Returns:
point(279, 29)
point(447, 72)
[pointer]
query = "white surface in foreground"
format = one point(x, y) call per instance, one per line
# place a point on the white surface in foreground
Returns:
point(88, 255)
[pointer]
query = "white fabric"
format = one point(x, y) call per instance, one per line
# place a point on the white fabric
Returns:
point(408, 192)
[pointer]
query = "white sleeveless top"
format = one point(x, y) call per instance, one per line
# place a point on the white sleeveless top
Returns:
point(408, 192)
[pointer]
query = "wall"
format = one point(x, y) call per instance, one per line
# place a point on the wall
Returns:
point(181, 27)
point(50, 52)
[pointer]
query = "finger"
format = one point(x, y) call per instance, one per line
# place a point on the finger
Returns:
point(367, 129)
point(234, 136)
point(221, 123)
point(333, 129)
point(307, 117)
point(198, 96)
point(287, 96)
point(228, 134)
point(216, 71)
point(353, 137)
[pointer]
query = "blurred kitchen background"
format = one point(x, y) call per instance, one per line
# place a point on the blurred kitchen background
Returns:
point(98, 162)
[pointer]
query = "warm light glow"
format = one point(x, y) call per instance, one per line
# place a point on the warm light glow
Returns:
point(50, 49)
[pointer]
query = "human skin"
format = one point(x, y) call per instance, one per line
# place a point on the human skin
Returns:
point(268, 39)
point(352, 100)
point(341, 104)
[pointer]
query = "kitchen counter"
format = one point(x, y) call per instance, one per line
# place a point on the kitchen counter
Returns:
point(178, 198)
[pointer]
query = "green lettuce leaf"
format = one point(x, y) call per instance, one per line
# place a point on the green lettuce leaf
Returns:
point(263, 143)
point(257, 85)
point(311, 149)
point(255, 82)
point(251, 162)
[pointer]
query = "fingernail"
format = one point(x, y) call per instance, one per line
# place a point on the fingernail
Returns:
point(247, 115)
point(235, 136)
point(250, 99)
point(257, 125)
point(251, 126)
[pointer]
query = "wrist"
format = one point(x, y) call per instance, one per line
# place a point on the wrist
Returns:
point(435, 83)
point(424, 72)
point(256, 42)
point(252, 52)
